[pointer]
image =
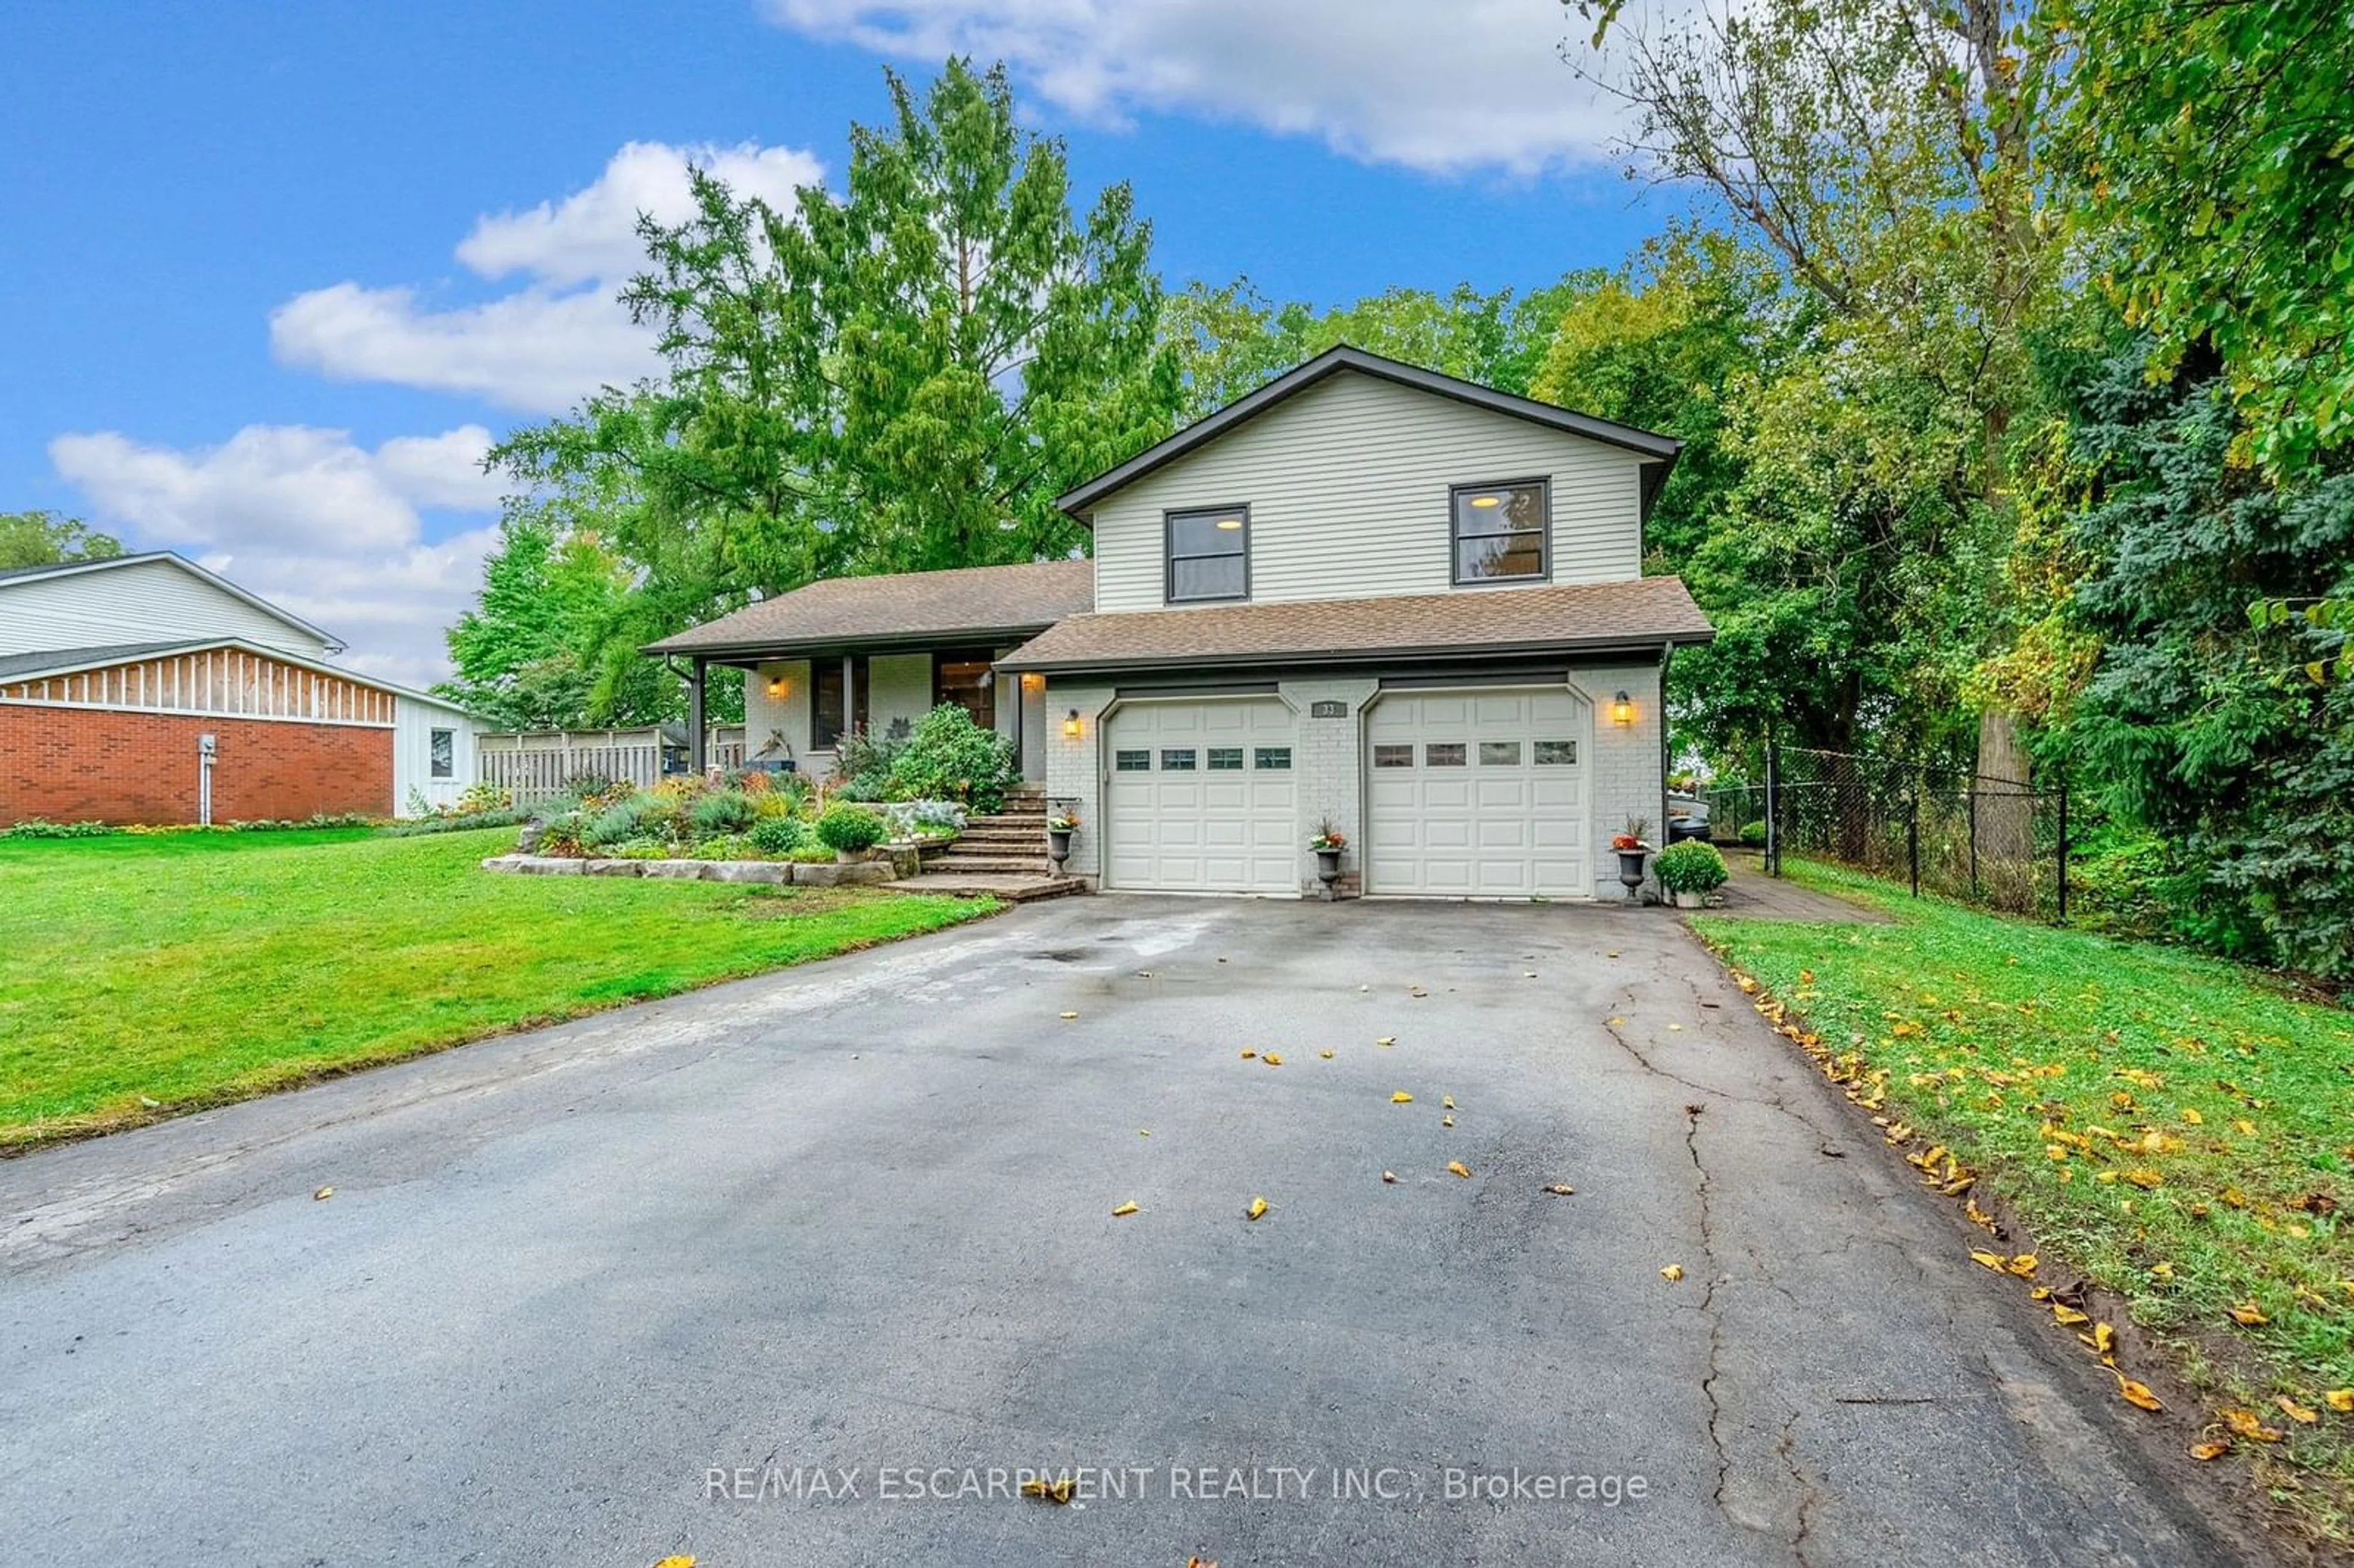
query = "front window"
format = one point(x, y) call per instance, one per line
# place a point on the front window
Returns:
point(1209, 554)
point(833, 709)
point(1500, 532)
point(445, 754)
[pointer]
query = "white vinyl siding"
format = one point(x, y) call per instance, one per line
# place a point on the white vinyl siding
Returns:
point(414, 722)
point(1348, 489)
point(145, 601)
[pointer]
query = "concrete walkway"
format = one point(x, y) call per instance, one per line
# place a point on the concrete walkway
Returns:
point(693, 1277)
point(1753, 893)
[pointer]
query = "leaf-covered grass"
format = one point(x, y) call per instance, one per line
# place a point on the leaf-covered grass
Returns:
point(2179, 1131)
point(196, 969)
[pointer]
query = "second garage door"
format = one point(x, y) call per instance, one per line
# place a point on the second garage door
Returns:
point(1479, 794)
point(1201, 797)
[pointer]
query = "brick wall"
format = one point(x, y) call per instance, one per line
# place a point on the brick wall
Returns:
point(83, 765)
point(1624, 775)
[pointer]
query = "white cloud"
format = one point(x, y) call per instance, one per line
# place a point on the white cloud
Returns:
point(1442, 86)
point(312, 522)
point(561, 335)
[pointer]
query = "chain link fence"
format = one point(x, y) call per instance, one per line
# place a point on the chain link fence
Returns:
point(1990, 842)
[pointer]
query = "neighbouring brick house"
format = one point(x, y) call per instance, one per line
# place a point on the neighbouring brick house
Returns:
point(146, 689)
point(1364, 594)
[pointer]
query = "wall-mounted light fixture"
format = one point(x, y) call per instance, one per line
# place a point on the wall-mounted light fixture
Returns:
point(1622, 709)
point(1071, 724)
point(1034, 682)
point(778, 686)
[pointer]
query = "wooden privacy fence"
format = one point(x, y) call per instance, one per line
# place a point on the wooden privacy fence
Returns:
point(538, 765)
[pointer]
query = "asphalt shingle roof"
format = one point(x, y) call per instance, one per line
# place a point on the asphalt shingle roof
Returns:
point(1564, 618)
point(837, 612)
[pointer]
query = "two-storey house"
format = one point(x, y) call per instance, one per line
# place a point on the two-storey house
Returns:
point(1364, 594)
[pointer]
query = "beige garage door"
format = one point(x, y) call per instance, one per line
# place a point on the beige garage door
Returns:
point(1200, 799)
point(1479, 794)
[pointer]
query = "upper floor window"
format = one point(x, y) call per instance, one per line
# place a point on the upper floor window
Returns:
point(1209, 554)
point(1500, 531)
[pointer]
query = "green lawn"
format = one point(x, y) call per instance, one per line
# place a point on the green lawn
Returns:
point(189, 970)
point(2177, 1131)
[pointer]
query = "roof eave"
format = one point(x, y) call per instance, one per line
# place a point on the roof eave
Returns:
point(1642, 642)
point(806, 647)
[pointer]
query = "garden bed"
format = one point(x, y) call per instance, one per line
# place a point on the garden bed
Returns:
point(800, 874)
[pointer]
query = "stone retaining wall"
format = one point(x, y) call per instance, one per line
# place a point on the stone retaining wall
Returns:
point(852, 873)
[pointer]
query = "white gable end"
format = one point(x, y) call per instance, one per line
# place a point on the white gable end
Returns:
point(151, 600)
point(1348, 484)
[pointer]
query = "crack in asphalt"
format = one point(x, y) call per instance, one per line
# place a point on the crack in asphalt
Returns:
point(1787, 1447)
point(1708, 1306)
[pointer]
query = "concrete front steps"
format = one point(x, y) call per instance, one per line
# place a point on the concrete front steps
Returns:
point(1003, 855)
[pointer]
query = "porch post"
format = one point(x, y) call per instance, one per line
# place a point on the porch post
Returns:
point(849, 697)
point(697, 742)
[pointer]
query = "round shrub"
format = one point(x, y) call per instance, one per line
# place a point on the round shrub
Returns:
point(949, 757)
point(1690, 866)
point(722, 811)
point(777, 835)
point(1754, 835)
point(850, 829)
point(634, 818)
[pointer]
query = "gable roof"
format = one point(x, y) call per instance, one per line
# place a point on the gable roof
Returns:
point(835, 613)
point(14, 576)
point(1657, 451)
point(16, 668)
point(1642, 612)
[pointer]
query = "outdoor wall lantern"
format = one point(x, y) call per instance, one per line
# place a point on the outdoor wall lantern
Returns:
point(1071, 724)
point(1622, 709)
point(1034, 682)
point(778, 686)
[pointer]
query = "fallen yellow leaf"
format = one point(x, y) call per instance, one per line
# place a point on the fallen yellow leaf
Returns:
point(1272, 1059)
point(1070, 1015)
point(2103, 1339)
point(2068, 1317)
point(2144, 1178)
point(322, 1194)
point(1400, 1097)
point(1060, 1489)
point(2340, 1400)
point(678, 1562)
point(1248, 1054)
point(2304, 1415)
point(1673, 1273)
point(1387, 1040)
point(2023, 1265)
point(1614, 1022)
point(1563, 1190)
point(1447, 1121)
point(1457, 1168)
point(2191, 1118)
point(1326, 1055)
point(1123, 1210)
point(1447, 1102)
point(2247, 1314)
point(2247, 1423)
point(1144, 1132)
point(1989, 1259)
point(1675, 1026)
point(1390, 1177)
point(1258, 1207)
point(2136, 1394)
point(2203, 1451)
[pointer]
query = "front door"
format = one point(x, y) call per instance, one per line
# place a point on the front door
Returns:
point(966, 678)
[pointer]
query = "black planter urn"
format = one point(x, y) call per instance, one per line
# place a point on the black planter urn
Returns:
point(1630, 872)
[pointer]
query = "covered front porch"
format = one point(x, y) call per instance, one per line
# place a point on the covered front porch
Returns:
point(798, 705)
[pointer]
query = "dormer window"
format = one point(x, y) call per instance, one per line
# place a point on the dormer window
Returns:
point(1500, 531)
point(1209, 554)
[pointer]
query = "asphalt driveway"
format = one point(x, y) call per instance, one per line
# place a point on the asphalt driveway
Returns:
point(630, 1287)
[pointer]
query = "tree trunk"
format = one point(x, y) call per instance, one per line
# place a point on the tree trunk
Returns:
point(2006, 809)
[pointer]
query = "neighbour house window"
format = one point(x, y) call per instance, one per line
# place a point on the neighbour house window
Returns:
point(964, 676)
point(1276, 759)
point(1209, 554)
point(1500, 531)
point(444, 754)
point(829, 715)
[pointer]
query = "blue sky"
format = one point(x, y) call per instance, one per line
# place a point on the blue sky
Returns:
point(275, 274)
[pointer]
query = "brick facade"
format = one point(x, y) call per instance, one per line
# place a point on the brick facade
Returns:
point(79, 765)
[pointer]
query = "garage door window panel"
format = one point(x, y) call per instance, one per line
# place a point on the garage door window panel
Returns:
point(1225, 758)
point(1499, 754)
point(1276, 759)
point(1443, 754)
point(1500, 532)
point(1132, 762)
point(1209, 554)
point(1178, 760)
point(1556, 754)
